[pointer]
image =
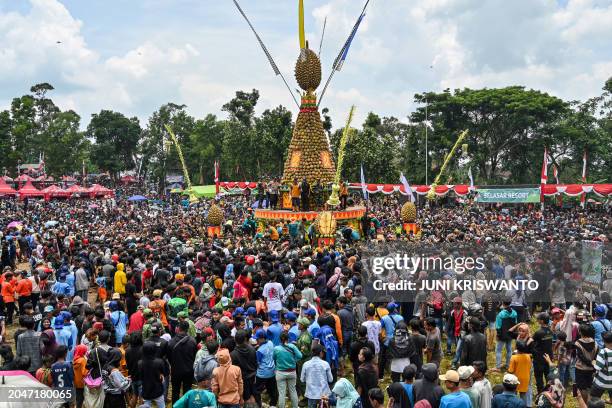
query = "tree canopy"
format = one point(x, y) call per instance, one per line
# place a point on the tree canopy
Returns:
point(508, 130)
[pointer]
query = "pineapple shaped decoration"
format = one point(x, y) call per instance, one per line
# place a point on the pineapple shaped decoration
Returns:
point(215, 215)
point(408, 212)
point(309, 153)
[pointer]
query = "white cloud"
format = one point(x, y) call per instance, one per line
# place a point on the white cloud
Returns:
point(402, 48)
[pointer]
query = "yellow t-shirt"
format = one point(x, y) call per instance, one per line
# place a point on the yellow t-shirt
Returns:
point(520, 365)
point(295, 190)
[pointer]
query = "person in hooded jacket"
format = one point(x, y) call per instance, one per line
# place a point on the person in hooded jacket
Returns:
point(427, 387)
point(245, 357)
point(152, 371)
point(182, 350)
point(227, 381)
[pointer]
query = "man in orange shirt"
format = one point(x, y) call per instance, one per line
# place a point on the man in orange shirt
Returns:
point(158, 307)
point(24, 290)
point(8, 296)
point(296, 192)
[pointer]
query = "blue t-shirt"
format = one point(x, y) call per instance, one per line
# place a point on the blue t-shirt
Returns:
point(275, 331)
point(456, 400)
point(265, 360)
point(408, 388)
point(62, 374)
point(294, 333)
point(388, 322)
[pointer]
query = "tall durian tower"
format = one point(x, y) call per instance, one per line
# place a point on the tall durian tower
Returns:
point(309, 154)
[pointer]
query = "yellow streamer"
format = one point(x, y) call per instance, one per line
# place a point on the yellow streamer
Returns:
point(301, 25)
point(432, 192)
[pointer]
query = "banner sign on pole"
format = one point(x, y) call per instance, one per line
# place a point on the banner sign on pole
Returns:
point(508, 195)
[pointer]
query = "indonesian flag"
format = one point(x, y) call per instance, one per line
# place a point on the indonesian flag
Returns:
point(544, 175)
point(584, 168)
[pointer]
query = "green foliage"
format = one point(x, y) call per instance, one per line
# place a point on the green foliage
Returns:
point(116, 141)
point(508, 130)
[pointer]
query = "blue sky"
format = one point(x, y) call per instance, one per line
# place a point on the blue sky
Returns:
point(133, 56)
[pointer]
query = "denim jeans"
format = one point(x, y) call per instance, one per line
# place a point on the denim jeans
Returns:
point(450, 340)
point(458, 351)
point(498, 352)
point(159, 401)
point(564, 374)
point(313, 403)
point(285, 380)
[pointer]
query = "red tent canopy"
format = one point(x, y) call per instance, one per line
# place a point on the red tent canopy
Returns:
point(24, 177)
point(98, 190)
point(54, 191)
point(5, 189)
point(7, 179)
point(68, 178)
point(76, 189)
point(30, 191)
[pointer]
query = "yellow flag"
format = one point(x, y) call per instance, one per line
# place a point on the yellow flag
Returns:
point(301, 25)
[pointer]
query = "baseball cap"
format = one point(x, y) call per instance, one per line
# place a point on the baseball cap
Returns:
point(260, 334)
point(303, 321)
point(291, 316)
point(157, 293)
point(273, 316)
point(457, 299)
point(251, 311)
point(310, 312)
point(48, 309)
point(511, 379)
point(451, 375)
point(116, 296)
point(182, 314)
point(58, 323)
point(600, 310)
point(238, 311)
point(465, 372)
point(391, 306)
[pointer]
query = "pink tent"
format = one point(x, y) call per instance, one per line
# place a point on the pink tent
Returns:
point(7, 179)
point(30, 191)
point(24, 178)
point(54, 191)
point(5, 189)
point(97, 190)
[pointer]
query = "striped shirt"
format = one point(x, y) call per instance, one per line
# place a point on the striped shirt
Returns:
point(603, 368)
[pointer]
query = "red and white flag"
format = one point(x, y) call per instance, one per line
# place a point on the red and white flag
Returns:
point(544, 175)
point(584, 168)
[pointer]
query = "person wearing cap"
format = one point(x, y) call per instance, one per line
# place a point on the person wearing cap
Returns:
point(600, 324)
point(149, 319)
point(455, 398)
point(508, 398)
point(465, 385)
point(137, 320)
point(158, 307)
point(388, 323)
point(456, 319)
point(183, 316)
point(63, 337)
point(265, 376)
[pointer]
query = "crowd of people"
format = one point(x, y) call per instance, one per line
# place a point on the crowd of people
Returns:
point(132, 304)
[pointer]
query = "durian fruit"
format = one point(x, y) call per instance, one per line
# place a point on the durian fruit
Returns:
point(309, 154)
point(308, 70)
point(215, 215)
point(326, 223)
point(408, 212)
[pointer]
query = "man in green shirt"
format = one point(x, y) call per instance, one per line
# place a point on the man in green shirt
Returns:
point(183, 316)
point(176, 305)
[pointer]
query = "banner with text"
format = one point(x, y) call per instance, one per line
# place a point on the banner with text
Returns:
point(509, 195)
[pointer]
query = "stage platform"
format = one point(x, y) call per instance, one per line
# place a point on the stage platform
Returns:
point(350, 213)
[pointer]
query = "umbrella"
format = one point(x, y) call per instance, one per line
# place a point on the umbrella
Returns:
point(14, 224)
point(24, 381)
point(137, 198)
point(51, 223)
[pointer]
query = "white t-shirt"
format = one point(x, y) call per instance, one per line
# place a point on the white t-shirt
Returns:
point(374, 328)
point(273, 292)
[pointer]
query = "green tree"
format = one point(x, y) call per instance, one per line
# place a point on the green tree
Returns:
point(273, 130)
point(508, 128)
point(6, 142)
point(206, 147)
point(64, 145)
point(160, 156)
point(116, 140)
point(242, 107)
